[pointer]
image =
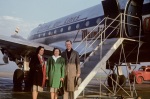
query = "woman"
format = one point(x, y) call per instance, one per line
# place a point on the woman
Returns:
point(37, 72)
point(55, 72)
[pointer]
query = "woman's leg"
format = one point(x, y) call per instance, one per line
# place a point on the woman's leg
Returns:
point(56, 96)
point(52, 95)
point(34, 94)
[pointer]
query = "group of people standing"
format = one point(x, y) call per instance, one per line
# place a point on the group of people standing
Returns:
point(61, 70)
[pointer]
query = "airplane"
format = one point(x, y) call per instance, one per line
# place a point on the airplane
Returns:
point(74, 27)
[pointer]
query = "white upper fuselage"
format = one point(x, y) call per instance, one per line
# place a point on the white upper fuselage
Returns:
point(56, 32)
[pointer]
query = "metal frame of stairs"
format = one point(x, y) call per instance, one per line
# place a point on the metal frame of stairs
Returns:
point(102, 51)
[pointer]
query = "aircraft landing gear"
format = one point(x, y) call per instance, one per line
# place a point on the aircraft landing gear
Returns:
point(18, 80)
point(22, 75)
point(27, 81)
point(122, 80)
point(112, 80)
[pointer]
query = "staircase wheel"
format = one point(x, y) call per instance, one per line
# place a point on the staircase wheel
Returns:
point(122, 80)
point(139, 79)
point(110, 82)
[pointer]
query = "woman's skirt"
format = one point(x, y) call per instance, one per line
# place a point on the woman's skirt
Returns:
point(37, 88)
point(53, 89)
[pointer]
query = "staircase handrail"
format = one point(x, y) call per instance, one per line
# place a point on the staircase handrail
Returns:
point(116, 19)
point(89, 34)
point(100, 34)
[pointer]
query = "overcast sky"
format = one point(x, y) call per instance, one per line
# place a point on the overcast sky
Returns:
point(27, 14)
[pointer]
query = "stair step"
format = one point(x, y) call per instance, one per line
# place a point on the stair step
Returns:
point(97, 55)
point(91, 66)
point(104, 49)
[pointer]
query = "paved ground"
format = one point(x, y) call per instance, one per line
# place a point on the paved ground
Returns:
point(92, 90)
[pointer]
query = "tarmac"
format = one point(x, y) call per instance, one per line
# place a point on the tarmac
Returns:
point(92, 91)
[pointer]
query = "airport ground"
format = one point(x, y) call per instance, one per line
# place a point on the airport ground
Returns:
point(92, 91)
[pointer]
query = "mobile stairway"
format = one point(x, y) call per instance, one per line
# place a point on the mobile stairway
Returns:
point(100, 55)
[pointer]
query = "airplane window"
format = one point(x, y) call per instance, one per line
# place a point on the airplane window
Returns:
point(44, 34)
point(69, 28)
point(55, 31)
point(77, 26)
point(98, 20)
point(87, 23)
point(49, 33)
point(61, 30)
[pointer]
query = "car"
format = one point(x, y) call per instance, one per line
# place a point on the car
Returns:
point(142, 74)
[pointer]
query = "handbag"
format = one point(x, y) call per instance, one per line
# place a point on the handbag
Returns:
point(78, 81)
point(61, 89)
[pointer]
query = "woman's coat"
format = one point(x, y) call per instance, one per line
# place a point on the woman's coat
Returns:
point(37, 71)
point(55, 71)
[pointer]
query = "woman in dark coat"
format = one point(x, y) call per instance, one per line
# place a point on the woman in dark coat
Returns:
point(55, 72)
point(37, 71)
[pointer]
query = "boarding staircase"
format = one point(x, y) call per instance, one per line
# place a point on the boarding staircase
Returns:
point(102, 52)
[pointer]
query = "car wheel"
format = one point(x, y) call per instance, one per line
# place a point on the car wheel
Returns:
point(139, 80)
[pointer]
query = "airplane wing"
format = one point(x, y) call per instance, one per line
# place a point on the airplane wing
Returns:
point(15, 48)
point(1, 64)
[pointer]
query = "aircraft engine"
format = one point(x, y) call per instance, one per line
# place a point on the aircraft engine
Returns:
point(5, 55)
point(5, 58)
point(133, 8)
point(132, 17)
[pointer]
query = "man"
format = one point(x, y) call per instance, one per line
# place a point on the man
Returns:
point(72, 70)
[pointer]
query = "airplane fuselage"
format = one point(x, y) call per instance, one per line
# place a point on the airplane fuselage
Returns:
point(76, 26)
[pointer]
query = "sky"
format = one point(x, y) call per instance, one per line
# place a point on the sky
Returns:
point(28, 14)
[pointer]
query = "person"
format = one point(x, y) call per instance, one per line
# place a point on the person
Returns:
point(55, 72)
point(72, 70)
point(37, 72)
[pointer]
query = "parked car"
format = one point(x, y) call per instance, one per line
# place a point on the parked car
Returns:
point(142, 74)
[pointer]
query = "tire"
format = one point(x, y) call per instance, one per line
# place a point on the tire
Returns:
point(18, 79)
point(122, 80)
point(28, 81)
point(139, 79)
point(110, 82)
